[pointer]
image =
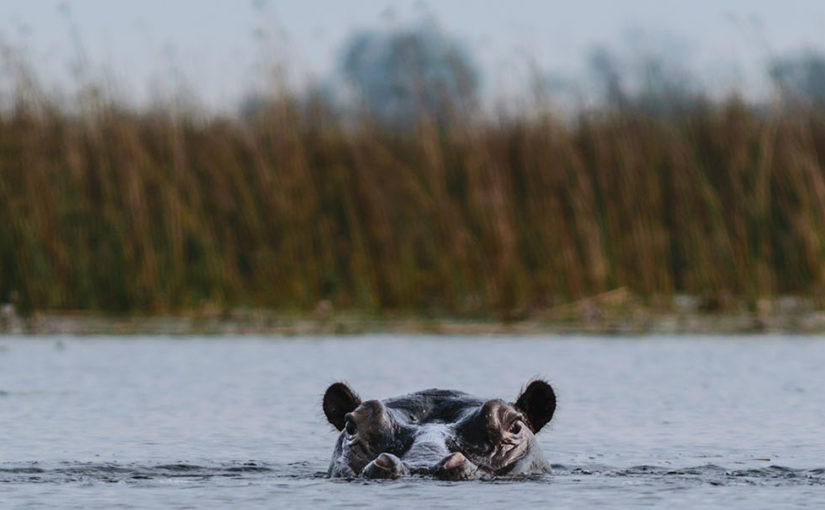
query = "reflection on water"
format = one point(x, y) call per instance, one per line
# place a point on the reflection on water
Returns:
point(212, 422)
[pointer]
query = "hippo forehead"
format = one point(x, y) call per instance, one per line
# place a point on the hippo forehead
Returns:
point(431, 406)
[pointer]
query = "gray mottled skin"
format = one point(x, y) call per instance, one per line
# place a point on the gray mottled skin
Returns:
point(443, 433)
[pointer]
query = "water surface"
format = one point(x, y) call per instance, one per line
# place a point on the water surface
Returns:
point(159, 422)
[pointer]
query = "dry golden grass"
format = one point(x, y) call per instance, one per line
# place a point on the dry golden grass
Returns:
point(119, 210)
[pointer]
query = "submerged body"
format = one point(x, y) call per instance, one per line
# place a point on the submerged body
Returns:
point(444, 433)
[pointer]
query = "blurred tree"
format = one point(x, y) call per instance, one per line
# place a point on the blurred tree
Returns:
point(398, 75)
point(649, 82)
point(800, 78)
point(606, 70)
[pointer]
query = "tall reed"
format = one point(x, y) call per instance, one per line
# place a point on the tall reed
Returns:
point(112, 209)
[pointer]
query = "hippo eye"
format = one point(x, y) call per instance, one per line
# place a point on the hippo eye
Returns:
point(350, 428)
point(515, 428)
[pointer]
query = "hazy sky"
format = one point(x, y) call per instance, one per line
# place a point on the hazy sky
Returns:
point(217, 47)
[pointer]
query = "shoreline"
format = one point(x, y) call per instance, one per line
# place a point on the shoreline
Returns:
point(613, 313)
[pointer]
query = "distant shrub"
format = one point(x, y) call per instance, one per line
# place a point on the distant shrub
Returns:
point(398, 75)
point(800, 78)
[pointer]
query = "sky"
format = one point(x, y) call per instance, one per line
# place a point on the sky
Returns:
point(220, 50)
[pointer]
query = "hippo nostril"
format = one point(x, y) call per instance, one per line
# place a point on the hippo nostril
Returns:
point(350, 427)
point(383, 461)
point(454, 460)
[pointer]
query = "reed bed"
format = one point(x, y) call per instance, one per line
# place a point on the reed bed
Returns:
point(120, 210)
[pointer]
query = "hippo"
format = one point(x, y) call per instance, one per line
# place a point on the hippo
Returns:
point(447, 434)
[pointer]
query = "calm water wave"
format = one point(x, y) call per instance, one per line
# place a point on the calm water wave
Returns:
point(257, 472)
point(215, 422)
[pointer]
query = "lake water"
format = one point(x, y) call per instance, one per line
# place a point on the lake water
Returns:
point(219, 422)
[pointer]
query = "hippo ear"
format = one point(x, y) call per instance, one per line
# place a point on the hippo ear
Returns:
point(538, 402)
point(339, 400)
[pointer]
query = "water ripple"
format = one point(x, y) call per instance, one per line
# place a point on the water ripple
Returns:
point(111, 472)
point(709, 474)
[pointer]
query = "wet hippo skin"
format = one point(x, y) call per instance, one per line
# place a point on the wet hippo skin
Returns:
point(443, 433)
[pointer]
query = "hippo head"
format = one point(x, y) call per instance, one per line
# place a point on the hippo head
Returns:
point(499, 437)
point(445, 433)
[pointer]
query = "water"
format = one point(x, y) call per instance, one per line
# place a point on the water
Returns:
point(236, 422)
